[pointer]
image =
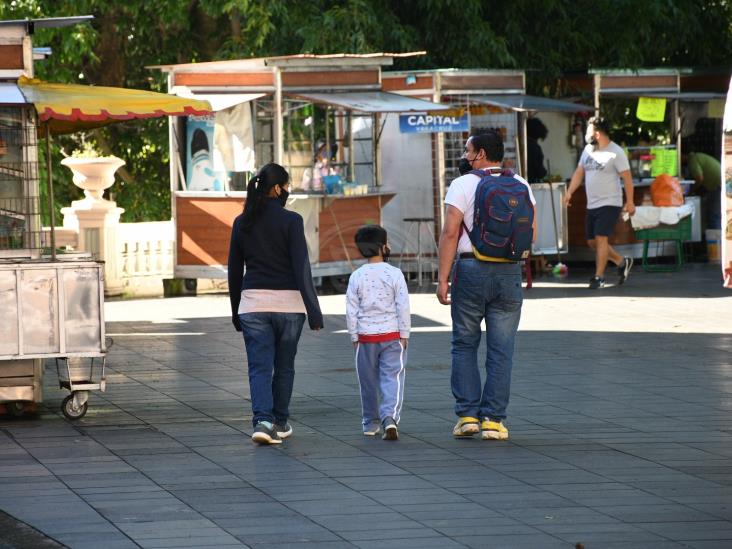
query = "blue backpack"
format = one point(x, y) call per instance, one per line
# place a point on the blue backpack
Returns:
point(503, 218)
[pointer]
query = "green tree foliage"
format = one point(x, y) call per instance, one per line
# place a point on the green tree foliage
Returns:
point(545, 37)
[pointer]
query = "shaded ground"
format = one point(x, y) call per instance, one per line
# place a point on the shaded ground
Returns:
point(620, 435)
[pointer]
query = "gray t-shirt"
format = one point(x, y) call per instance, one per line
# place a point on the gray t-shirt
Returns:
point(602, 175)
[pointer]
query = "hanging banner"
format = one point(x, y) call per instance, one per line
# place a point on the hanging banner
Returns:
point(651, 109)
point(200, 172)
point(432, 123)
point(725, 239)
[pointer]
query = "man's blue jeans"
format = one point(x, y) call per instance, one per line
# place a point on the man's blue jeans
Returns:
point(490, 291)
point(271, 343)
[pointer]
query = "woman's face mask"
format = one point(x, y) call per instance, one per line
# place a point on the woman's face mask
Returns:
point(282, 197)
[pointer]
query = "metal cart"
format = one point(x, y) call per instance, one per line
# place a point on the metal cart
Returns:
point(52, 310)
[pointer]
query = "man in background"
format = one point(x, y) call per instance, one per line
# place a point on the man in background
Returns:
point(602, 165)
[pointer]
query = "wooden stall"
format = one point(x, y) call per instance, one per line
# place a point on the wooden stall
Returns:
point(320, 116)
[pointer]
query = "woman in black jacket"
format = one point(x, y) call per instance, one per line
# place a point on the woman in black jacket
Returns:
point(270, 301)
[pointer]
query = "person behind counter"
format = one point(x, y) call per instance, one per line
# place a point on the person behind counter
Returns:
point(602, 164)
point(269, 302)
point(312, 178)
point(535, 130)
point(706, 171)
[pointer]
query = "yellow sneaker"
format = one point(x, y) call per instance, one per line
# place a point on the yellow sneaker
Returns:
point(466, 427)
point(493, 430)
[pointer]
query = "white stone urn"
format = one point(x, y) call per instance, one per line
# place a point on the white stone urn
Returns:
point(93, 175)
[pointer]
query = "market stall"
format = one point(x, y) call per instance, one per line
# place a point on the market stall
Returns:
point(480, 99)
point(656, 96)
point(320, 116)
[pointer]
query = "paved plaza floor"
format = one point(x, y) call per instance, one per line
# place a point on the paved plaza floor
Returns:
point(620, 421)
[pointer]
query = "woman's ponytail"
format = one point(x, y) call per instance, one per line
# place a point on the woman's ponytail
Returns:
point(258, 189)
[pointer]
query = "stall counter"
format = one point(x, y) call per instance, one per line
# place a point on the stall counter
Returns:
point(624, 234)
point(204, 221)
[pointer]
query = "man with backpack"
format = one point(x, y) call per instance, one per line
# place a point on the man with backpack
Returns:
point(490, 224)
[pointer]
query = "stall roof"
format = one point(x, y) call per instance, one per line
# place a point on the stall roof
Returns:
point(48, 22)
point(520, 102)
point(10, 94)
point(372, 101)
point(218, 101)
point(300, 59)
point(681, 96)
point(659, 71)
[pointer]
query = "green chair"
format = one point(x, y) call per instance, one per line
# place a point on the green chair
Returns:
point(677, 233)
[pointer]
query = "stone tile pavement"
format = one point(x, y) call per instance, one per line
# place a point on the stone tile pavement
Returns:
point(621, 435)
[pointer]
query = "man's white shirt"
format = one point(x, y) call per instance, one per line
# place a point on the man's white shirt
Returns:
point(461, 195)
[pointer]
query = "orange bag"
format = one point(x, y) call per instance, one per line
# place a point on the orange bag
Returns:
point(666, 191)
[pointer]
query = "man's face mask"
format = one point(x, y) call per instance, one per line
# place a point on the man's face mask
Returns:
point(590, 135)
point(465, 165)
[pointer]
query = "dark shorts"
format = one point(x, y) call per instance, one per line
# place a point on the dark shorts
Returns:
point(601, 221)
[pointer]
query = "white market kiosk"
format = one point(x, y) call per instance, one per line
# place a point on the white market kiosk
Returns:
point(482, 99)
point(277, 109)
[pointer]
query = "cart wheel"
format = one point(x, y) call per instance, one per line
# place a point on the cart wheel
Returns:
point(15, 409)
point(70, 411)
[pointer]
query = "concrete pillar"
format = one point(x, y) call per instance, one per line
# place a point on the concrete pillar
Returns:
point(95, 219)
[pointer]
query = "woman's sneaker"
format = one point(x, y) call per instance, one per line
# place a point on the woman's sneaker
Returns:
point(283, 430)
point(390, 429)
point(265, 433)
point(371, 429)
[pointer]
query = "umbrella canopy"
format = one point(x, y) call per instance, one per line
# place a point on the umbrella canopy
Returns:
point(68, 108)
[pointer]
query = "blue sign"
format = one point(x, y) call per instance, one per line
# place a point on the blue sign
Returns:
point(430, 123)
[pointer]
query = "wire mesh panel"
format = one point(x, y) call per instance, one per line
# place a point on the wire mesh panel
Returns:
point(264, 141)
point(482, 118)
point(20, 216)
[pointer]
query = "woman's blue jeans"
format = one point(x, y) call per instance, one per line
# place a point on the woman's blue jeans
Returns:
point(271, 343)
point(491, 291)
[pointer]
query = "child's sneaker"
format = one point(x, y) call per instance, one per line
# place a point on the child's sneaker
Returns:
point(371, 429)
point(466, 427)
point(390, 429)
point(493, 430)
point(264, 433)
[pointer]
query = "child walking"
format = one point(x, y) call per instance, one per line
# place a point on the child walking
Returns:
point(377, 314)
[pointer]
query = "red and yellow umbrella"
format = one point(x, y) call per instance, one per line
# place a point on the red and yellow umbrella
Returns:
point(68, 108)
